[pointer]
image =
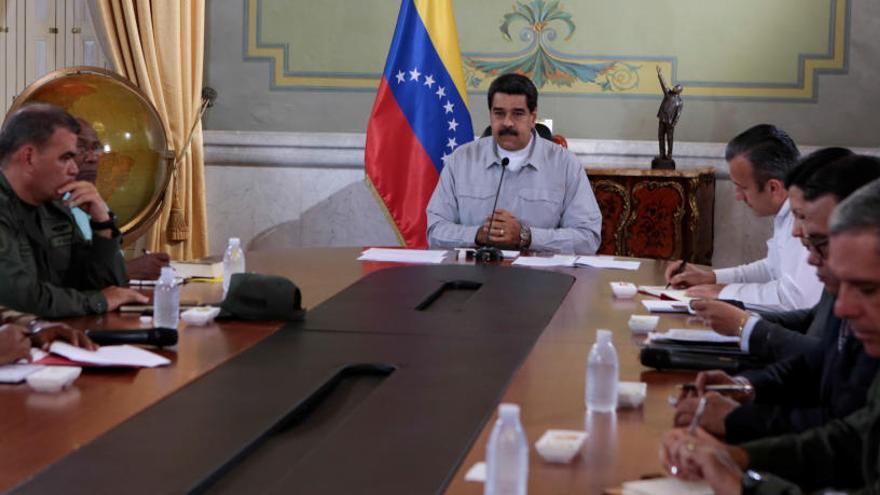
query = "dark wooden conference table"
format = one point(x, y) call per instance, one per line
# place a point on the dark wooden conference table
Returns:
point(38, 429)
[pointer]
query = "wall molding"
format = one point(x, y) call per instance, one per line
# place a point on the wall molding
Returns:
point(336, 150)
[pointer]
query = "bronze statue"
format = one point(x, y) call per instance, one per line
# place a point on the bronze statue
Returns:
point(668, 114)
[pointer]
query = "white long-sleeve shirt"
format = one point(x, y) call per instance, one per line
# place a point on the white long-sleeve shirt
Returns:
point(782, 281)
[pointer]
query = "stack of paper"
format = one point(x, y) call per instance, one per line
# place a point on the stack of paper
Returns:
point(693, 336)
point(108, 355)
point(555, 260)
point(16, 373)
point(606, 262)
point(404, 255)
point(656, 306)
point(664, 293)
point(666, 486)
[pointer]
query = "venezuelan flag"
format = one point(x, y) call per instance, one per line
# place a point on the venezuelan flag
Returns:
point(419, 117)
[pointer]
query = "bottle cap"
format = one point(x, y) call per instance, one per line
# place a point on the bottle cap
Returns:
point(167, 274)
point(234, 241)
point(508, 411)
point(603, 335)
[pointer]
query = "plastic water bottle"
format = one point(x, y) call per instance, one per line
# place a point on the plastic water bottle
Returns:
point(602, 374)
point(507, 455)
point(233, 262)
point(166, 300)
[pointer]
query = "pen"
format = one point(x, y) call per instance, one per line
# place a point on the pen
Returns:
point(701, 408)
point(676, 272)
point(743, 388)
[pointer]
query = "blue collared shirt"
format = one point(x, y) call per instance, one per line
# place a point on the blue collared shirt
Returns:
point(550, 193)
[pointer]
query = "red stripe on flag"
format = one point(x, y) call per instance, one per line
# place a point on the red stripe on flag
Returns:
point(400, 169)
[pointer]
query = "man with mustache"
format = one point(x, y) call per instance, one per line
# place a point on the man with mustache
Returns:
point(89, 149)
point(759, 159)
point(843, 454)
point(46, 266)
point(545, 202)
point(822, 378)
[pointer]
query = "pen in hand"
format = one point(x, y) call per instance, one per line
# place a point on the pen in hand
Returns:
point(678, 271)
point(698, 415)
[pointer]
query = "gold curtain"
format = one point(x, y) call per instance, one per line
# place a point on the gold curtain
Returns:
point(159, 45)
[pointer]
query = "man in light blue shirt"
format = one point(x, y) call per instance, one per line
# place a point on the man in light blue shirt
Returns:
point(545, 203)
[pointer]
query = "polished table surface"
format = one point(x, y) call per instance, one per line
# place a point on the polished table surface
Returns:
point(38, 429)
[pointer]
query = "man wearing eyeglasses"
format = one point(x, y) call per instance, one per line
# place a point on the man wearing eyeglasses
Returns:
point(843, 454)
point(46, 267)
point(825, 375)
point(89, 151)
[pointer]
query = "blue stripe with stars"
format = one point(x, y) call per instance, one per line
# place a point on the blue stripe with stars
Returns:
point(423, 89)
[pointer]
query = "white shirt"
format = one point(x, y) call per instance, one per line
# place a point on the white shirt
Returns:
point(783, 281)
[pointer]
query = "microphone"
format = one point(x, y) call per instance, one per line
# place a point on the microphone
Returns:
point(490, 254)
point(159, 337)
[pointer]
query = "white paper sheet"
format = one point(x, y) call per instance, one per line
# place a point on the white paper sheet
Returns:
point(16, 373)
point(606, 262)
point(696, 336)
point(110, 355)
point(555, 260)
point(666, 486)
point(404, 255)
point(660, 306)
point(661, 291)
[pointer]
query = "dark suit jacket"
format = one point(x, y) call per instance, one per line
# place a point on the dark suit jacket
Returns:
point(779, 335)
point(842, 454)
point(827, 381)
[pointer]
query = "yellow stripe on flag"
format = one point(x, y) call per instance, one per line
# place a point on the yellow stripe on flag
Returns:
point(439, 20)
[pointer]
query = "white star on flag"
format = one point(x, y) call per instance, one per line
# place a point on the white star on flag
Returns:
point(448, 106)
point(429, 81)
point(441, 92)
point(453, 125)
point(444, 157)
point(451, 144)
point(414, 74)
point(400, 77)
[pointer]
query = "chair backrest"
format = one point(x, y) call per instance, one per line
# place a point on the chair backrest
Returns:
point(542, 131)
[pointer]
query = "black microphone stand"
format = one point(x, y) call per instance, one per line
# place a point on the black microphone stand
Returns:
point(491, 254)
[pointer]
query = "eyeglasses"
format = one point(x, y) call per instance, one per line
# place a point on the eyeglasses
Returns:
point(84, 148)
point(818, 243)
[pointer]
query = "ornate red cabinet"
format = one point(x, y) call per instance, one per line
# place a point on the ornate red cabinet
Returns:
point(656, 213)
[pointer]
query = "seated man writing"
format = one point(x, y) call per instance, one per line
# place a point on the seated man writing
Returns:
point(46, 266)
point(824, 377)
point(842, 454)
point(759, 160)
point(545, 203)
point(19, 332)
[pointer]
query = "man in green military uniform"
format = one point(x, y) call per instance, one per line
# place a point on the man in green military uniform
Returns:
point(842, 454)
point(46, 266)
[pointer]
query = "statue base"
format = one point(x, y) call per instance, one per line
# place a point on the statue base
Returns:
point(662, 163)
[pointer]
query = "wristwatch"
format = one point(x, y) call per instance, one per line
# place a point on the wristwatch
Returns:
point(525, 236)
point(750, 482)
point(110, 223)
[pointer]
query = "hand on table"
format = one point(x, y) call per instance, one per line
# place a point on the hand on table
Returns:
point(701, 457)
point(52, 331)
point(690, 276)
point(505, 230)
point(147, 267)
point(705, 291)
point(724, 318)
point(117, 296)
point(14, 344)
point(717, 408)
